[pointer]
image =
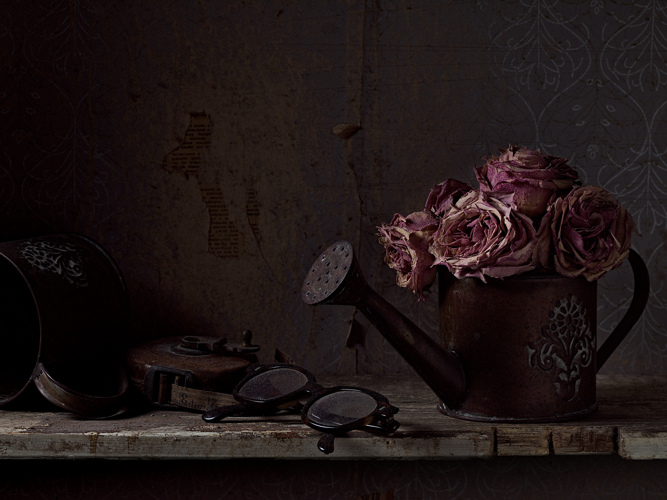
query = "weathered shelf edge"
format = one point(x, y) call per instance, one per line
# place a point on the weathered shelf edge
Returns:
point(213, 445)
point(632, 423)
point(642, 444)
point(537, 440)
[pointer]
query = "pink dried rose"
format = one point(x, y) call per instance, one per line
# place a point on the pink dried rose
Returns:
point(406, 241)
point(483, 235)
point(587, 233)
point(443, 196)
point(535, 178)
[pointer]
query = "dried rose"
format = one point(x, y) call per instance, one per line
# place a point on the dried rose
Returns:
point(535, 178)
point(587, 233)
point(406, 241)
point(482, 235)
point(444, 195)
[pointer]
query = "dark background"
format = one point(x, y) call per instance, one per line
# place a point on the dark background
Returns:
point(98, 97)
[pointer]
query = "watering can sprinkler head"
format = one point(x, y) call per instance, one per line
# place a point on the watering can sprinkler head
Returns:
point(335, 278)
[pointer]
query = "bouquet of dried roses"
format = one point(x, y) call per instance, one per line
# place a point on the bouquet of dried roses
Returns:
point(530, 213)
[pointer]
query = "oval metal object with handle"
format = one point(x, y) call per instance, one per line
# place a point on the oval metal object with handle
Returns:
point(65, 314)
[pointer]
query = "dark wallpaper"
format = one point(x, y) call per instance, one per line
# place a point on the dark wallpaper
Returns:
point(100, 99)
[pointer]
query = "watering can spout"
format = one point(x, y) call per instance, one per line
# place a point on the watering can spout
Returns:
point(335, 278)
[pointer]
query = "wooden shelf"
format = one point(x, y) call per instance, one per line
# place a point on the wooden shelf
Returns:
point(631, 421)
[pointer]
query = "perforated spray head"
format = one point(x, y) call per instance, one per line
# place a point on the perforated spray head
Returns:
point(329, 274)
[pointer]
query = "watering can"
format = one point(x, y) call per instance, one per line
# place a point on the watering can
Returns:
point(521, 349)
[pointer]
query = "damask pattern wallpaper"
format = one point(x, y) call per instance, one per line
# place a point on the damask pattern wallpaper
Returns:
point(196, 142)
point(588, 79)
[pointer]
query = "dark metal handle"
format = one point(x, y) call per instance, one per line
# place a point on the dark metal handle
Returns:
point(639, 299)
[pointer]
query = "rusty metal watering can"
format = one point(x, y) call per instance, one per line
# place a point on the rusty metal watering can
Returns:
point(522, 349)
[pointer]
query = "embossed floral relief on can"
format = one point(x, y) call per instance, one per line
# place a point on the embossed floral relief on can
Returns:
point(527, 344)
point(567, 346)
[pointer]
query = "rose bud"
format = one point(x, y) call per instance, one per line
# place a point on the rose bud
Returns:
point(587, 233)
point(406, 241)
point(535, 179)
point(482, 235)
point(444, 195)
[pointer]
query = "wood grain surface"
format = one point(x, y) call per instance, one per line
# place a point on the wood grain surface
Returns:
point(631, 421)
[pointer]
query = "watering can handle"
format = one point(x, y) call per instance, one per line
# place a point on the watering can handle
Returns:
point(634, 312)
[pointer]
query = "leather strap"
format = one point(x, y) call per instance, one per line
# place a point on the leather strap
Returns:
point(166, 386)
point(198, 399)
